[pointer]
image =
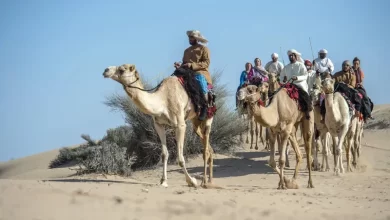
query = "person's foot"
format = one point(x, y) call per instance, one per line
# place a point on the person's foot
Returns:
point(203, 114)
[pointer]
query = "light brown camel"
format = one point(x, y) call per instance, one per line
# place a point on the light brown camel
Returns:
point(282, 117)
point(168, 105)
point(273, 87)
point(341, 124)
point(324, 135)
point(243, 114)
point(254, 128)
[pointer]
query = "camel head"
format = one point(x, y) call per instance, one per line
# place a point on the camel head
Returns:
point(315, 94)
point(272, 77)
point(328, 85)
point(263, 88)
point(246, 91)
point(125, 74)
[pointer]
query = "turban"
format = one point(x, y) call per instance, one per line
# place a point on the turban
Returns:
point(323, 51)
point(274, 55)
point(308, 63)
point(196, 34)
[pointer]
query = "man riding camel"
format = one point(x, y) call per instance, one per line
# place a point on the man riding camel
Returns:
point(297, 72)
point(274, 66)
point(359, 74)
point(197, 58)
point(311, 75)
point(323, 65)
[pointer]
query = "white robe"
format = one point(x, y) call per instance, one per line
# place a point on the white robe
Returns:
point(323, 64)
point(274, 67)
point(311, 78)
point(297, 69)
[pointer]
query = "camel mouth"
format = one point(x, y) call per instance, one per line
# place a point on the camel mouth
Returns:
point(107, 73)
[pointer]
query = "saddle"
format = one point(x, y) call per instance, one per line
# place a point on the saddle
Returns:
point(187, 79)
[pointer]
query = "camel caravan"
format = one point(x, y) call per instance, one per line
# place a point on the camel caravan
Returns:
point(328, 108)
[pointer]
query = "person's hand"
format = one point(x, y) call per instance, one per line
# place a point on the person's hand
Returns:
point(294, 78)
point(186, 65)
point(176, 65)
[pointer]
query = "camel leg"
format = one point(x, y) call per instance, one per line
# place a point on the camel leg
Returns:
point(207, 156)
point(295, 145)
point(308, 130)
point(316, 142)
point(257, 135)
point(267, 144)
point(164, 153)
point(325, 151)
point(339, 150)
point(261, 135)
point(335, 142)
point(180, 132)
point(272, 141)
point(287, 153)
point(248, 128)
point(253, 123)
point(282, 158)
point(348, 152)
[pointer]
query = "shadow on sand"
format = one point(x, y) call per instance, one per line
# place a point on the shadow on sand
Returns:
point(234, 167)
point(74, 180)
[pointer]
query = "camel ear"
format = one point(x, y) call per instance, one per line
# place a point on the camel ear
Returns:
point(132, 67)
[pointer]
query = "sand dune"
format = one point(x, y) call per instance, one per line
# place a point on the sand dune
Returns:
point(29, 190)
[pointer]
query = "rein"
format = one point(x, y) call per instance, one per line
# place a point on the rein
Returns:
point(145, 90)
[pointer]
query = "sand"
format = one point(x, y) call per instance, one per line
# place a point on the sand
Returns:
point(29, 190)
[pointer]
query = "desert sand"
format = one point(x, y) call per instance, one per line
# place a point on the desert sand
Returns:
point(29, 190)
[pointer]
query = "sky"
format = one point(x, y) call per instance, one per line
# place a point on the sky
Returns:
point(53, 54)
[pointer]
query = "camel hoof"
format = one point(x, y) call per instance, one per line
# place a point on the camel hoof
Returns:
point(164, 183)
point(272, 164)
point(192, 182)
point(290, 183)
point(256, 147)
point(310, 186)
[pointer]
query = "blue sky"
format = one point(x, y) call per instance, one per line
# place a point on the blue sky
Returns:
point(53, 53)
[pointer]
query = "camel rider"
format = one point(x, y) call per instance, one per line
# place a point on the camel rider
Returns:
point(323, 65)
point(274, 66)
point(259, 74)
point(359, 86)
point(296, 71)
point(311, 75)
point(197, 58)
point(347, 76)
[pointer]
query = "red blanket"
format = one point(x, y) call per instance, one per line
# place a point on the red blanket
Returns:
point(292, 91)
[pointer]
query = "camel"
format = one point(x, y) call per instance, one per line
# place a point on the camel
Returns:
point(168, 105)
point(324, 135)
point(253, 126)
point(283, 117)
point(273, 87)
point(341, 124)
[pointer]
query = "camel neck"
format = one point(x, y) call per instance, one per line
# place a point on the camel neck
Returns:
point(146, 101)
point(267, 116)
point(329, 99)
